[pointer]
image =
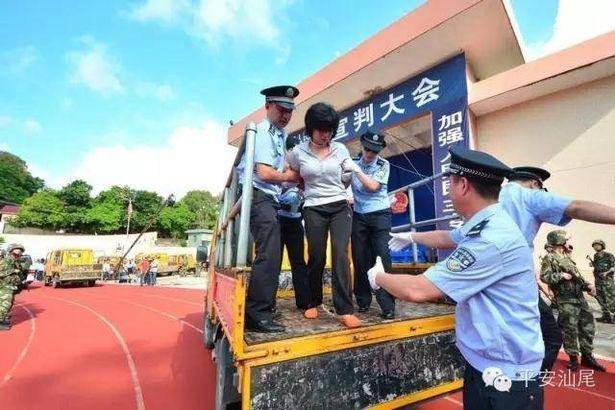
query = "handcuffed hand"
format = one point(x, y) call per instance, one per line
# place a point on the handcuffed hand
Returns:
point(348, 165)
point(373, 271)
point(400, 240)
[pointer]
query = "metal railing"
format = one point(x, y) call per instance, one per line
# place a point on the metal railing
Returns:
point(233, 240)
point(413, 223)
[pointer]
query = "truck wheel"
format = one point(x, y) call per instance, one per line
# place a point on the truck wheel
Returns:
point(227, 395)
point(55, 282)
point(209, 333)
point(91, 283)
point(47, 280)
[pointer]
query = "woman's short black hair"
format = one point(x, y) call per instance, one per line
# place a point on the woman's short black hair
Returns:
point(321, 116)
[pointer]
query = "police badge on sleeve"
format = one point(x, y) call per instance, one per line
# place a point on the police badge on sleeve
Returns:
point(460, 260)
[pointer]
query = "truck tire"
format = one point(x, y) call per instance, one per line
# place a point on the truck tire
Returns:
point(209, 333)
point(91, 283)
point(55, 282)
point(227, 395)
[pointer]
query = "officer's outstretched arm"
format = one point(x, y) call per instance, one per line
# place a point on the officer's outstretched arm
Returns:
point(591, 212)
point(268, 174)
point(412, 288)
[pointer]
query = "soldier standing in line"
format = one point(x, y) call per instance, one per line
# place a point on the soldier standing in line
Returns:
point(604, 267)
point(10, 270)
point(575, 316)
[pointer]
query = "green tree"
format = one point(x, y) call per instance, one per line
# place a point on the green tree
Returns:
point(78, 200)
point(205, 207)
point(175, 220)
point(16, 182)
point(42, 210)
point(108, 212)
point(105, 216)
point(145, 204)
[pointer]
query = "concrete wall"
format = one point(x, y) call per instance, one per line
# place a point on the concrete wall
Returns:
point(38, 245)
point(572, 134)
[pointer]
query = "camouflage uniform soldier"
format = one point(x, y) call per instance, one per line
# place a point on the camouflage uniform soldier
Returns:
point(604, 266)
point(575, 318)
point(10, 270)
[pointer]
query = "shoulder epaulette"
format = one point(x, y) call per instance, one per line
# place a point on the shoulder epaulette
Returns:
point(380, 161)
point(476, 229)
point(355, 158)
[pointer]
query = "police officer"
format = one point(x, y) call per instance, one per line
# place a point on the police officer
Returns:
point(529, 205)
point(371, 221)
point(293, 235)
point(604, 267)
point(575, 316)
point(10, 271)
point(490, 275)
point(268, 174)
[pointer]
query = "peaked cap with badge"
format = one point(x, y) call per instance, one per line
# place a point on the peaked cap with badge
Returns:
point(373, 141)
point(478, 165)
point(282, 95)
point(535, 173)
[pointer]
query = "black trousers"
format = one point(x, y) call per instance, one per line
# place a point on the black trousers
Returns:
point(293, 238)
point(521, 396)
point(551, 335)
point(370, 238)
point(265, 274)
point(334, 218)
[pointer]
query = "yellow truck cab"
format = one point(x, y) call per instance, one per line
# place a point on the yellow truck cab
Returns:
point(71, 266)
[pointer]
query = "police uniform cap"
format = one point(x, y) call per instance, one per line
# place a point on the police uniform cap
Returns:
point(478, 165)
point(531, 173)
point(282, 95)
point(373, 142)
point(15, 246)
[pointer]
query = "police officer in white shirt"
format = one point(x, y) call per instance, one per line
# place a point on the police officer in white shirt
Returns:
point(490, 276)
point(269, 173)
point(371, 220)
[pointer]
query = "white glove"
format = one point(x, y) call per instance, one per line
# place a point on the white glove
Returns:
point(400, 240)
point(373, 271)
point(348, 165)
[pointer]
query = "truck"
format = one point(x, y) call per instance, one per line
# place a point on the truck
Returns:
point(317, 363)
point(71, 266)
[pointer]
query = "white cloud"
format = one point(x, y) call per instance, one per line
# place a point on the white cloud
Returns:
point(576, 21)
point(161, 92)
point(283, 54)
point(5, 121)
point(250, 21)
point(17, 61)
point(165, 11)
point(94, 68)
point(31, 126)
point(191, 158)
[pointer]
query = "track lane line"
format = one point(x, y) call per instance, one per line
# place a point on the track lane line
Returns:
point(154, 310)
point(24, 350)
point(131, 363)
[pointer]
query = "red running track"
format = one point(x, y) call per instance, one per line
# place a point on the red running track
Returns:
point(130, 347)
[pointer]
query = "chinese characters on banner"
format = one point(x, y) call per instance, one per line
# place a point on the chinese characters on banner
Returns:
point(440, 91)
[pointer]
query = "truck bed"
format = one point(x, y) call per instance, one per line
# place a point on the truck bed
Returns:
point(297, 325)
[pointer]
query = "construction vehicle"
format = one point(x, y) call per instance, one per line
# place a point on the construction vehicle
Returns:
point(71, 266)
point(317, 363)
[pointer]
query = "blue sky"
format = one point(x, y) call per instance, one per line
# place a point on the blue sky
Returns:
point(140, 92)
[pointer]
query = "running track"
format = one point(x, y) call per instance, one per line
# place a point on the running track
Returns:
point(127, 347)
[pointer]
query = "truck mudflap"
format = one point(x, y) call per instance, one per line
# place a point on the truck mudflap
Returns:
point(361, 377)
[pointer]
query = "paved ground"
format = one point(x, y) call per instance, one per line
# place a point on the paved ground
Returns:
point(123, 347)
